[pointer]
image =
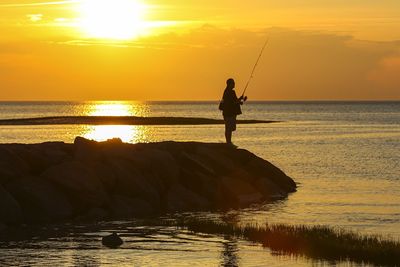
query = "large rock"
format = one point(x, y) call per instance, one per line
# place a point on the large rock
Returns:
point(181, 199)
point(56, 152)
point(194, 162)
point(217, 160)
point(79, 183)
point(10, 210)
point(126, 207)
point(86, 149)
point(260, 167)
point(39, 200)
point(94, 180)
point(94, 214)
point(34, 158)
point(200, 183)
point(105, 173)
point(237, 193)
point(3, 228)
point(11, 165)
point(164, 164)
point(132, 183)
point(269, 189)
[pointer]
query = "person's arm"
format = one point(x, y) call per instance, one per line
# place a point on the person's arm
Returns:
point(241, 99)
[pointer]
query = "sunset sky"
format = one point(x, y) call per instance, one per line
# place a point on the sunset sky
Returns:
point(185, 50)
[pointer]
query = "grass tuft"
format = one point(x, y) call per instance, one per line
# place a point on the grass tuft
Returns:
point(317, 242)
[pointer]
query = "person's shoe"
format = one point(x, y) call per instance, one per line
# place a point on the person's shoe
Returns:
point(232, 145)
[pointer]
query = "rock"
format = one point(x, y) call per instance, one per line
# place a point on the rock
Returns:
point(200, 183)
point(3, 228)
point(86, 149)
point(194, 162)
point(262, 168)
point(269, 190)
point(138, 159)
point(39, 200)
point(112, 241)
point(55, 152)
point(237, 193)
point(55, 181)
point(181, 199)
point(35, 160)
point(11, 165)
point(132, 183)
point(125, 207)
point(219, 162)
point(105, 173)
point(93, 215)
point(163, 164)
point(10, 210)
point(79, 183)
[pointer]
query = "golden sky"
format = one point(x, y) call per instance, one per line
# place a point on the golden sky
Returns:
point(185, 50)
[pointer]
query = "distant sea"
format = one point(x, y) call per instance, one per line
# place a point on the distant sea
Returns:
point(345, 157)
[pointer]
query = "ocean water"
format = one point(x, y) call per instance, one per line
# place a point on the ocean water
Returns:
point(343, 155)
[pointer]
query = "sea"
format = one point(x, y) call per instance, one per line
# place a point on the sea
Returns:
point(344, 156)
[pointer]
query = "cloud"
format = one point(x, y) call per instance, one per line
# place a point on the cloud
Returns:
point(35, 17)
point(40, 3)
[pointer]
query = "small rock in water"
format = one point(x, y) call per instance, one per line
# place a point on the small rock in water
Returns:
point(112, 241)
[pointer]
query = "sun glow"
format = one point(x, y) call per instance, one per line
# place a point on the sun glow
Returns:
point(113, 19)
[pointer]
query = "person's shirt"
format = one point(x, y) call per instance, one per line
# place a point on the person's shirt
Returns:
point(231, 103)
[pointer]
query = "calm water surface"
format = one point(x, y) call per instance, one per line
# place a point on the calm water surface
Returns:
point(344, 156)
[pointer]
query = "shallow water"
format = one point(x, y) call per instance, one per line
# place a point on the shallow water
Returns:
point(344, 156)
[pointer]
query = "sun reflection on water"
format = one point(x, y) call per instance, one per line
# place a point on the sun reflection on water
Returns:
point(116, 108)
point(127, 133)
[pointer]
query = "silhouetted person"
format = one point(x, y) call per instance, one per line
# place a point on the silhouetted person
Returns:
point(230, 106)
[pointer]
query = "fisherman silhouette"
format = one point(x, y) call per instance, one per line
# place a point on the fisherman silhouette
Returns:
point(230, 106)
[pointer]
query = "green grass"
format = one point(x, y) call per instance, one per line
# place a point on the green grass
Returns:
point(316, 242)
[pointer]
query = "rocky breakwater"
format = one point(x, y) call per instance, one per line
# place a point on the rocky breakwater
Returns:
point(91, 180)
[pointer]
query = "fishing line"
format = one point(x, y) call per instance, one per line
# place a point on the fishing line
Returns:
point(255, 66)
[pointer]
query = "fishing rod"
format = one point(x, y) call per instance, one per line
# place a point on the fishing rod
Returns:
point(255, 66)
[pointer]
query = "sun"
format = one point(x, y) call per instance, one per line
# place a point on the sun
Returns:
point(112, 19)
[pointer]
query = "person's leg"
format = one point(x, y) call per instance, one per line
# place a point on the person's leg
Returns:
point(228, 135)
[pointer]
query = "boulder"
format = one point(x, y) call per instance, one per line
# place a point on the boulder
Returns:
point(56, 152)
point(105, 173)
point(83, 188)
point(132, 183)
point(112, 241)
point(213, 157)
point(125, 207)
point(94, 214)
point(10, 210)
point(55, 181)
point(180, 198)
point(163, 163)
point(200, 183)
point(269, 189)
point(3, 228)
point(39, 200)
point(237, 193)
point(262, 168)
point(86, 149)
point(131, 154)
point(194, 162)
point(11, 165)
point(35, 160)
